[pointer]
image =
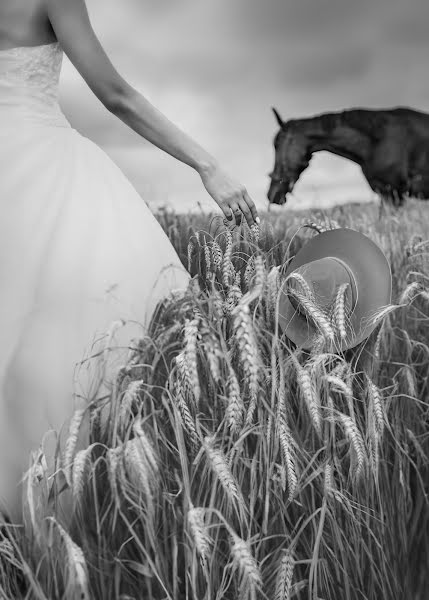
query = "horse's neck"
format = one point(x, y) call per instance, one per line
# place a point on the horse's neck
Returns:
point(337, 137)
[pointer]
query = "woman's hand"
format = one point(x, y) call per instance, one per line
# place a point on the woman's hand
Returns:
point(231, 196)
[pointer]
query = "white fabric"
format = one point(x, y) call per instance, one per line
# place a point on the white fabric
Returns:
point(79, 249)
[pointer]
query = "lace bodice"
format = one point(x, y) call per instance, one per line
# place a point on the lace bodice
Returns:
point(29, 77)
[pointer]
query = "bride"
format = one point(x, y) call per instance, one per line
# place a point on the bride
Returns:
point(79, 248)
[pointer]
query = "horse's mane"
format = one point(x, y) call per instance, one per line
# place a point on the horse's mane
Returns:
point(371, 122)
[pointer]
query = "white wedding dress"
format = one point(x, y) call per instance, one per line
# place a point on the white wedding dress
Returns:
point(79, 250)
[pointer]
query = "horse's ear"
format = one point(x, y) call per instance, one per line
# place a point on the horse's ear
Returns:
point(278, 117)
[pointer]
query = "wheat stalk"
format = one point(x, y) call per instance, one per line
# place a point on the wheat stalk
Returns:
point(244, 337)
point(376, 406)
point(79, 471)
point(78, 571)
point(34, 472)
point(234, 294)
point(284, 576)
point(411, 381)
point(71, 442)
point(255, 232)
point(424, 294)
point(112, 459)
point(374, 450)
point(356, 441)
point(417, 446)
point(320, 362)
point(337, 382)
point(212, 350)
point(377, 345)
point(310, 396)
point(191, 248)
point(315, 313)
point(306, 290)
point(183, 377)
point(331, 409)
point(375, 423)
point(249, 270)
point(114, 326)
point(408, 294)
point(227, 266)
point(328, 479)
point(190, 356)
point(199, 532)
point(207, 258)
point(286, 446)
point(95, 422)
point(235, 290)
point(246, 563)
point(268, 429)
point(253, 403)
point(340, 310)
point(217, 255)
point(220, 466)
point(281, 476)
point(341, 386)
point(421, 245)
point(260, 272)
point(136, 466)
point(273, 286)
point(146, 447)
point(139, 474)
point(235, 408)
point(382, 313)
point(130, 399)
point(338, 370)
point(184, 412)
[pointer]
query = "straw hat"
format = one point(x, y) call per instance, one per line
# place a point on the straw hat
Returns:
point(326, 262)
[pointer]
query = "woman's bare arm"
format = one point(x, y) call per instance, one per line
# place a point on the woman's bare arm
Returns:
point(72, 26)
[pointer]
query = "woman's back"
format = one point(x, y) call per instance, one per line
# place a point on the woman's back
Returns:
point(24, 23)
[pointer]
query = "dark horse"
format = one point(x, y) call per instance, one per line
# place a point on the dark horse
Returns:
point(391, 146)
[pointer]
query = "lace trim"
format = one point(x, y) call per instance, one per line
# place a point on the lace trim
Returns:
point(19, 49)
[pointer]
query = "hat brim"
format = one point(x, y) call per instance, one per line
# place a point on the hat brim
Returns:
point(372, 274)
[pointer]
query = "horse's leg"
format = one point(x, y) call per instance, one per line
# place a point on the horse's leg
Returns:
point(382, 208)
point(398, 197)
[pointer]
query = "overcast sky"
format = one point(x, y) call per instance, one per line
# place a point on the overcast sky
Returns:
point(215, 67)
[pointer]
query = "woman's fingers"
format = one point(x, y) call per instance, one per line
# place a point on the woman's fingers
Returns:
point(227, 211)
point(247, 210)
point(238, 205)
point(244, 204)
point(236, 210)
point(252, 206)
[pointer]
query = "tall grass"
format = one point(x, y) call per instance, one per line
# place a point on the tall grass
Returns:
point(226, 463)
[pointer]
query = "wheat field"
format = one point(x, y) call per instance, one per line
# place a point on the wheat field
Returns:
point(226, 464)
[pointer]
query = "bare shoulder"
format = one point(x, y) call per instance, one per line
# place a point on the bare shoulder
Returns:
point(24, 23)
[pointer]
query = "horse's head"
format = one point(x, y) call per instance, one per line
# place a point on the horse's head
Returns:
point(291, 158)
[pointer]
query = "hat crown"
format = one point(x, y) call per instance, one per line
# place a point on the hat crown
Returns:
point(363, 263)
point(324, 277)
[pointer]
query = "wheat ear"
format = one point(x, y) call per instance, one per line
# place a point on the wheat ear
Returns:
point(199, 531)
point(71, 442)
point(246, 563)
point(284, 576)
